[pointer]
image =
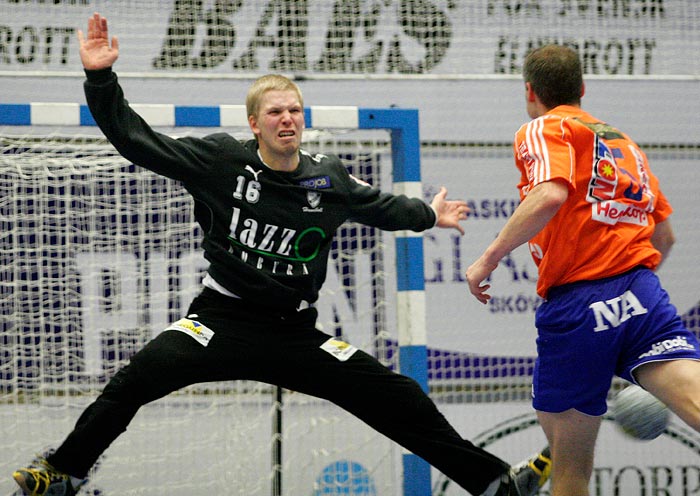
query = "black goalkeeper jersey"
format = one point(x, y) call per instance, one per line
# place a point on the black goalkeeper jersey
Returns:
point(267, 234)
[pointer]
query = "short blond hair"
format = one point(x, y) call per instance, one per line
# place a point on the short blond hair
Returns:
point(270, 82)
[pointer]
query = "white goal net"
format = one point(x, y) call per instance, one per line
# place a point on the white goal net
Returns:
point(96, 257)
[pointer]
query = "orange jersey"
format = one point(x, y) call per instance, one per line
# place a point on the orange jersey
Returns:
point(604, 228)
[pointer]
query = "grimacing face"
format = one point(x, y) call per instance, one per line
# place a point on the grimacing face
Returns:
point(278, 125)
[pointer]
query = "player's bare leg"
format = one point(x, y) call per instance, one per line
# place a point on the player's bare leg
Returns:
point(572, 436)
point(677, 384)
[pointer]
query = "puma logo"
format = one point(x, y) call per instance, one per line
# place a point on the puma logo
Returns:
point(253, 171)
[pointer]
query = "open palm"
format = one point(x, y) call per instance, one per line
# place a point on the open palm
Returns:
point(96, 52)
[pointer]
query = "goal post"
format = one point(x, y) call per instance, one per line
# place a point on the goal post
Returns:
point(411, 320)
point(401, 126)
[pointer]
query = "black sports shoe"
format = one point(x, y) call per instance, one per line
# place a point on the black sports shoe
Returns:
point(41, 479)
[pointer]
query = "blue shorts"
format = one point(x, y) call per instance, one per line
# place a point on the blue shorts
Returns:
point(589, 331)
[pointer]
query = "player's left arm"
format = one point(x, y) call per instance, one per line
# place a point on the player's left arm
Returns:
point(663, 238)
point(449, 213)
point(387, 211)
point(534, 212)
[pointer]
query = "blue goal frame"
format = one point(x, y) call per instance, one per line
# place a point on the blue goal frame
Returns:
point(403, 125)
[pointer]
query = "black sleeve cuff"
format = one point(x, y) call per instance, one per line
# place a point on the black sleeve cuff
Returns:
point(99, 75)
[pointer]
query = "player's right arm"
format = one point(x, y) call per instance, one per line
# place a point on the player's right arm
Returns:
point(135, 140)
point(96, 51)
point(532, 215)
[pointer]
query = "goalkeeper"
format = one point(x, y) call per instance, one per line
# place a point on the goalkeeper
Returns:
point(268, 211)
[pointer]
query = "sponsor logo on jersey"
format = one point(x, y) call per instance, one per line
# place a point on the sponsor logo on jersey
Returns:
point(320, 182)
point(609, 205)
point(258, 243)
point(679, 343)
point(314, 199)
point(612, 212)
point(604, 176)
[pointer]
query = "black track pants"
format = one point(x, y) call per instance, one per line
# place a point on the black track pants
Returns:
point(253, 343)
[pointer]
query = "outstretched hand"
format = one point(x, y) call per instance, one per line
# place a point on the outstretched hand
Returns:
point(476, 274)
point(449, 212)
point(96, 52)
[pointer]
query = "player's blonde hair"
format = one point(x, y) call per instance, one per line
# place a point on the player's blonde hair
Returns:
point(270, 82)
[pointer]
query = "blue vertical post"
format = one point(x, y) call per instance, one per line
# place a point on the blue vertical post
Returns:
point(413, 355)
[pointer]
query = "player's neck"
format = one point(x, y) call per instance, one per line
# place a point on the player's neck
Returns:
point(278, 162)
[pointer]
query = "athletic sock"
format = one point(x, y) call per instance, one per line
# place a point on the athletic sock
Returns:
point(492, 489)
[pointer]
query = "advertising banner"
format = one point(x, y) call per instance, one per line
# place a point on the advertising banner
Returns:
point(446, 37)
